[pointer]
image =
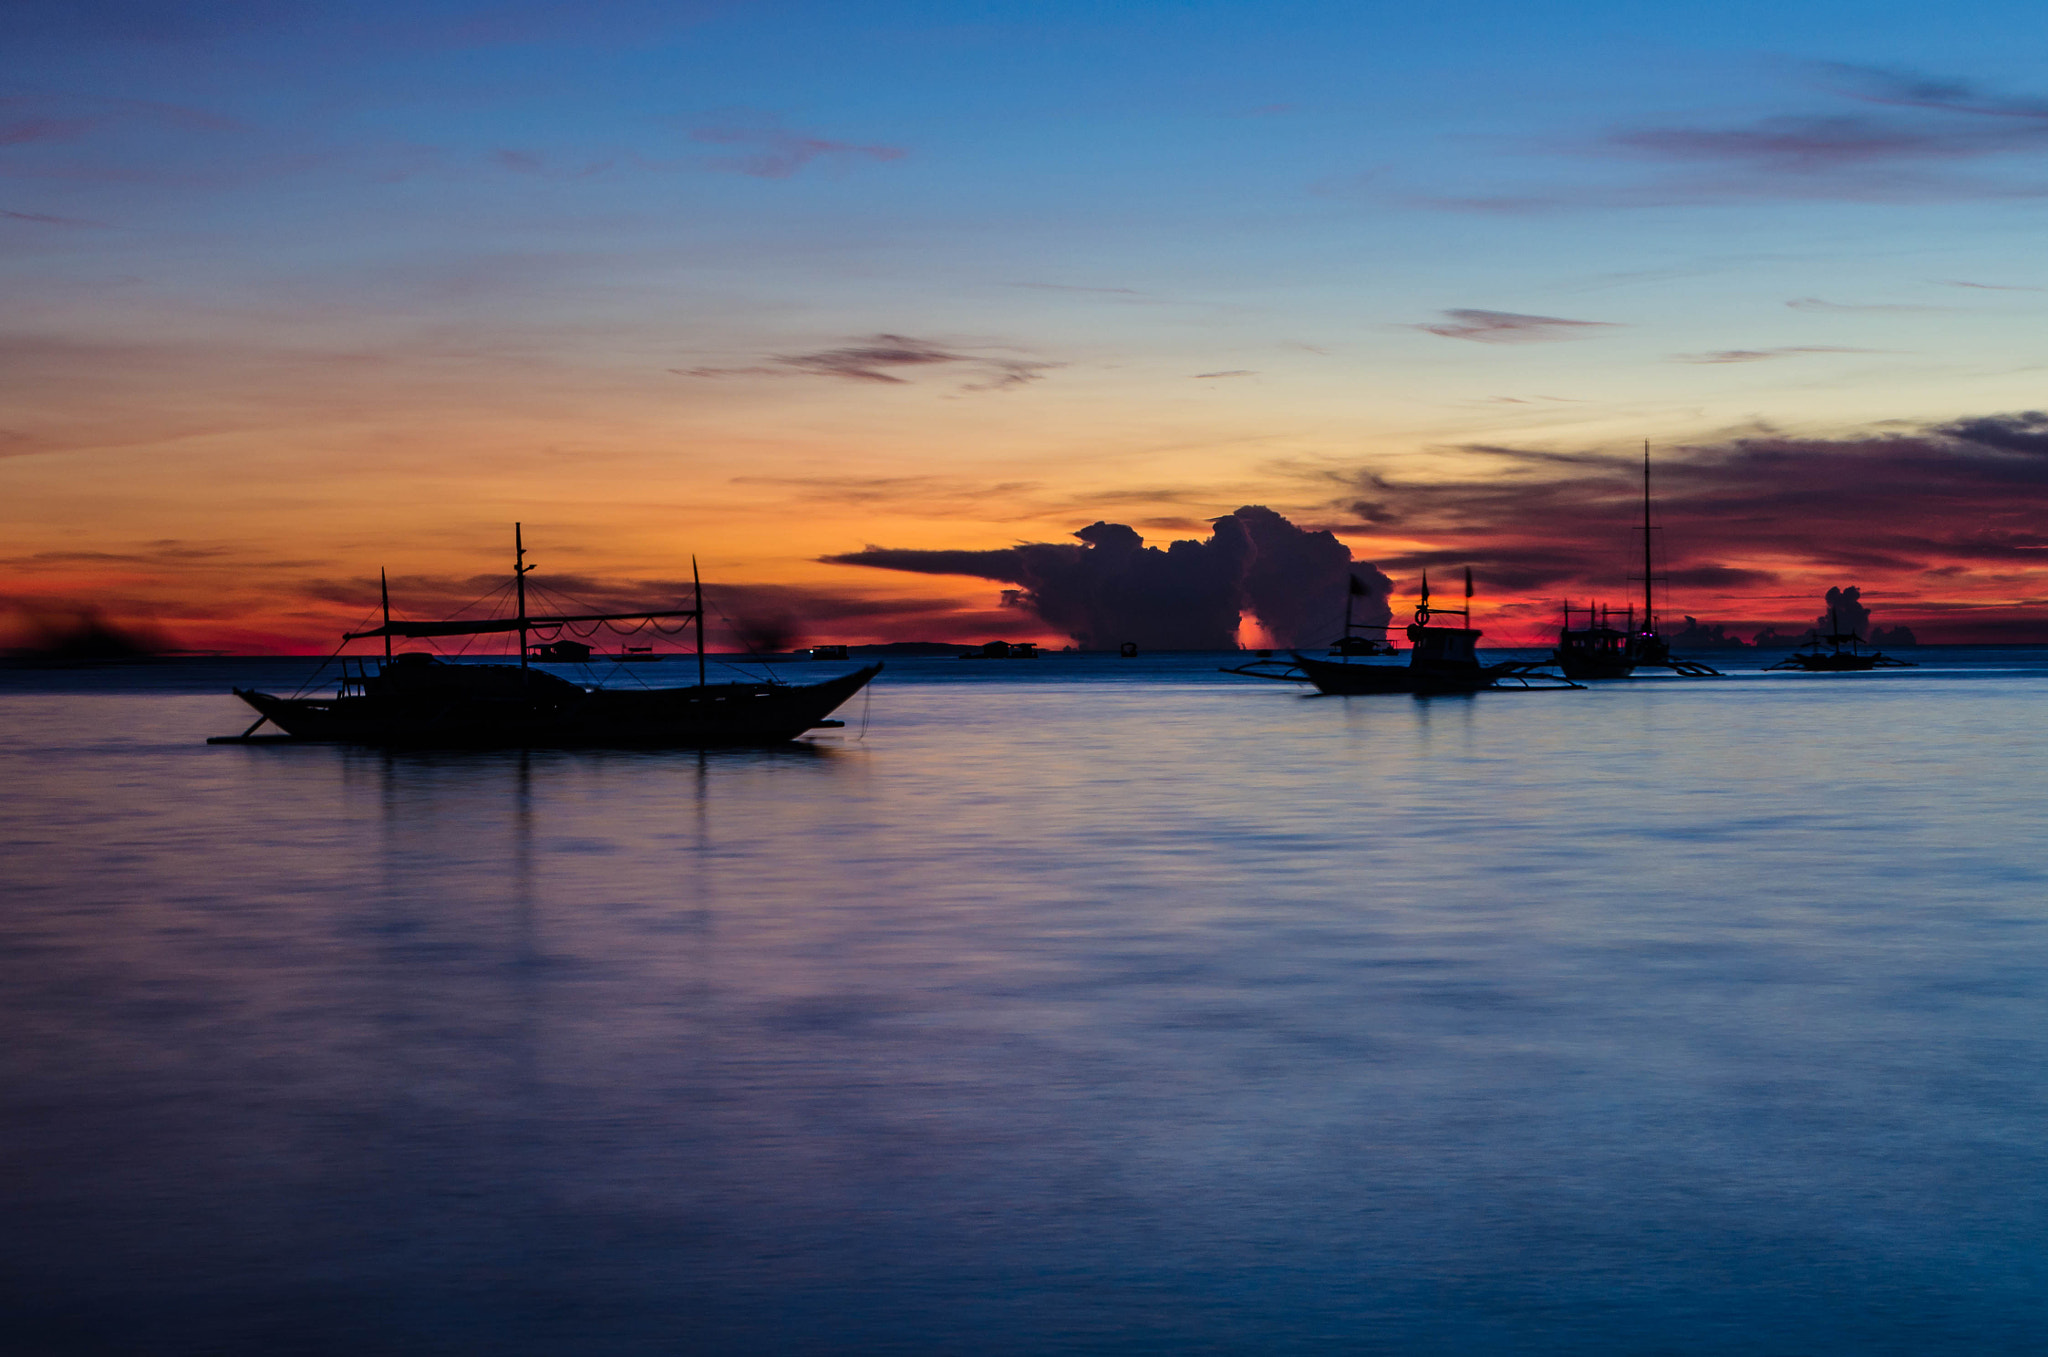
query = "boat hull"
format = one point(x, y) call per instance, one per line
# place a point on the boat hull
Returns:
point(1580, 666)
point(1843, 663)
point(1357, 680)
point(705, 717)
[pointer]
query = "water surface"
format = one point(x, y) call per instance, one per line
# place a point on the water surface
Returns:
point(1071, 1006)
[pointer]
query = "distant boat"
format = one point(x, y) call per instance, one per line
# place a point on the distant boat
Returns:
point(1837, 652)
point(1599, 651)
point(417, 699)
point(1003, 650)
point(1441, 660)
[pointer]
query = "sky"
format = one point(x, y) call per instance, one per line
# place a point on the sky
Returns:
point(299, 292)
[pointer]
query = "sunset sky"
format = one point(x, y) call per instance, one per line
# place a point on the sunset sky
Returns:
point(298, 291)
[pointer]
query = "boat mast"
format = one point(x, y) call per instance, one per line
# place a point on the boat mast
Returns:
point(1649, 617)
point(519, 569)
point(698, 580)
point(384, 587)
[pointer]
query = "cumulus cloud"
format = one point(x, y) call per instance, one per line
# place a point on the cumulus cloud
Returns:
point(1189, 596)
point(1510, 327)
point(1842, 610)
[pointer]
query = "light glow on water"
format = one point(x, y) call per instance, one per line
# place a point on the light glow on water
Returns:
point(1076, 1009)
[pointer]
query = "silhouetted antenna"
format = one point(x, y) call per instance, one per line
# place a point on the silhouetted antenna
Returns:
point(384, 587)
point(1649, 575)
point(519, 569)
point(698, 581)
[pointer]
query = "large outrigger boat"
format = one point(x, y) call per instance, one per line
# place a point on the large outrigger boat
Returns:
point(417, 699)
point(1441, 660)
point(1837, 652)
point(1600, 651)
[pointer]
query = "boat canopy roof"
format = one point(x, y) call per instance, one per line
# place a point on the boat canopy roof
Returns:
point(419, 630)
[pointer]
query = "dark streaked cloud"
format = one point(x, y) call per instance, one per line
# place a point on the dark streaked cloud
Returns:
point(1232, 372)
point(880, 358)
point(1510, 327)
point(1889, 510)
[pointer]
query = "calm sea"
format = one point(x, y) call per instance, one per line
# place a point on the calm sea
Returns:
point(1070, 1006)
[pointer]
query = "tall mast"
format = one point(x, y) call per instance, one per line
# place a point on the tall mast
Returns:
point(698, 581)
point(1649, 617)
point(384, 587)
point(519, 569)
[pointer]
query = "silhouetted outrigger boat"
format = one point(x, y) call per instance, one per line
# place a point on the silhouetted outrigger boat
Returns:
point(1843, 653)
point(1441, 660)
point(418, 700)
point(1599, 651)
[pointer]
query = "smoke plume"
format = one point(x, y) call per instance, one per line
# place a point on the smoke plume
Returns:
point(77, 634)
point(1113, 588)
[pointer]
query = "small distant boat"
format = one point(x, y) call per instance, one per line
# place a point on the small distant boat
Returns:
point(1003, 650)
point(820, 653)
point(1598, 651)
point(419, 700)
point(1441, 660)
point(1838, 652)
point(639, 655)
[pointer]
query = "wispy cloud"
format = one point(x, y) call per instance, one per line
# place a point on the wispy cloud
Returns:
point(767, 150)
point(1072, 287)
point(880, 359)
point(1822, 304)
point(1989, 287)
point(45, 219)
point(1909, 140)
point(1760, 355)
point(1510, 327)
point(1233, 372)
